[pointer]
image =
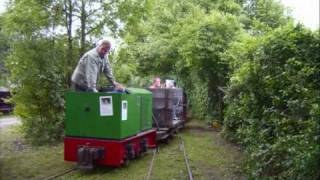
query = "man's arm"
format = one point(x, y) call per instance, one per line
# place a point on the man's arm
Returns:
point(107, 71)
point(92, 71)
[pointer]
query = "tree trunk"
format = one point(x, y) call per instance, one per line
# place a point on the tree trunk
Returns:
point(68, 14)
point(83, 19)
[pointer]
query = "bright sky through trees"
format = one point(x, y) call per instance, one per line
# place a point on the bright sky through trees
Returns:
point(305, 11)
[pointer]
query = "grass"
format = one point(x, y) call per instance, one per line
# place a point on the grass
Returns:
point(22, 161)
point(210, 157)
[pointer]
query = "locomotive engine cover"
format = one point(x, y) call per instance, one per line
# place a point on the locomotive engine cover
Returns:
point(108, 115)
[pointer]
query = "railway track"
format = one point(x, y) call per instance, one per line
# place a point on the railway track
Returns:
point(185, 158)
point(182, 149)
point(150, 167)
point(62, 173)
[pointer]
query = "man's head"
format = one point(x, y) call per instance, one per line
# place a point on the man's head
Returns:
point(157, 82)
point(103, 47)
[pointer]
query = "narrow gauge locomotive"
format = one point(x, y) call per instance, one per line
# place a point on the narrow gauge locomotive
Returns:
point(110, 128)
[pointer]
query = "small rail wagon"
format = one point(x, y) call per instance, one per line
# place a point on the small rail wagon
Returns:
point(108, 128)
point(169, 111)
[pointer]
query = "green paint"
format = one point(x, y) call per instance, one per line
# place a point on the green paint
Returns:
point(83, 118)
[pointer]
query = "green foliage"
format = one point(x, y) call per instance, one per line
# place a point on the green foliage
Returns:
point(265, 15)
point(199, 97)
point(201, 46)
point(26, 18)
point(186, 40)
point(273, 103)
point(4, 48)
point(36, 65)
point(272, 99)
point(45, 44)
point(189, 38)
point(38, 92)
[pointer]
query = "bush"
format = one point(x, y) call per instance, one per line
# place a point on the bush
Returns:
point(36, 70)
point(273, 104)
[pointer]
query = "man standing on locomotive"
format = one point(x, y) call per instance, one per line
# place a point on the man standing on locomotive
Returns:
point(84, 77)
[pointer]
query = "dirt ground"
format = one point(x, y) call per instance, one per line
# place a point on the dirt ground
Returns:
point(8, 120)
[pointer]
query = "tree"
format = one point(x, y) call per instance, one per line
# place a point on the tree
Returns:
point(265, 15)
point(46, 39)
point(180, 38)
point(4, 47)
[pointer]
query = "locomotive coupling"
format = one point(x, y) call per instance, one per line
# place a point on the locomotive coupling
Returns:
point(86, 157)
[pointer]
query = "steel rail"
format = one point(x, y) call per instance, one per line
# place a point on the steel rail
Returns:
point(186, 158)
point(151, 165)
point(61, 174)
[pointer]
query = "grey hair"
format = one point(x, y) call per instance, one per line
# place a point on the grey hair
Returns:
point(103, 42)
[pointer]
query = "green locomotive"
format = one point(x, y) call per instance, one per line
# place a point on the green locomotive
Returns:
point(108, 128)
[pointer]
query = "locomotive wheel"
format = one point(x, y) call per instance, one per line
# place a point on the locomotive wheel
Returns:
point(166, 140)
point(126, 162)
point(138, 155)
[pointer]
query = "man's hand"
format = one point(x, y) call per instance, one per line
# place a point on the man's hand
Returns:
point(119, 86)
point(92, 90)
